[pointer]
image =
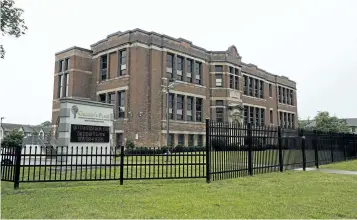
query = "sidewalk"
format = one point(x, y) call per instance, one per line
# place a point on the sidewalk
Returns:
point(330, 171)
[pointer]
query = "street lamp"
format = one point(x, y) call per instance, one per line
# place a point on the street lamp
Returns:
point(170, 83)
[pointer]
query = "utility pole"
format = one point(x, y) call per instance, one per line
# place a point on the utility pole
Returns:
point(170, 83)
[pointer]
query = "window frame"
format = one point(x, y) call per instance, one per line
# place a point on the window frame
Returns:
point(179, 106)
point(189, 108)
point(199, 105)
point(219, 80)
point(181, 139)
point(121, 103)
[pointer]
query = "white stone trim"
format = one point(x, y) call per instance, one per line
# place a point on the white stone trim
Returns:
point(113, 90)
point(256, 106)
point(271, 109)
point(183, 132)
point(55, 110)
point(226, 98)
point(255, 77)
point(183, 122)
point(217, 106)
point(280, 110)
point(185, 83)
point(118, 131)
point(183, 55)
point(184, 93)
point(227, 64)
point(286, 87)
point(125, 46)
point(252, 97)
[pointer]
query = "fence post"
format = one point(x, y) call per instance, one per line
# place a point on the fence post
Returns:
point(344, 146)
point(17, 167)
point(331, 146)
point(250, 149)
point(121, 164)
point(280, 145)
point(316, 150)
point(208, 149)
point(303, 149)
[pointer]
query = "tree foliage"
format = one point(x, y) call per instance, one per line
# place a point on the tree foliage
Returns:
point(12, 22)
point(323, 121)
point(46, 124)
point(13, 139)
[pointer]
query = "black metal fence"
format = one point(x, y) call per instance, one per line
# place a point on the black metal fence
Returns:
point(232, 151)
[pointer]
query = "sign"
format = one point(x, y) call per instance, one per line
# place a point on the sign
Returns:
point(89, 134)
point(83, 114)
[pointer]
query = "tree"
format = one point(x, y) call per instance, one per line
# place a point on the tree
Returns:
point(305, 124)
point(13, 139)
point(46, 124)
point(325, 122)
point(12, 22)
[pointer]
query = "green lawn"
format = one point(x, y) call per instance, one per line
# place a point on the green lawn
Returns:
point(348, 165)
point(275, 195)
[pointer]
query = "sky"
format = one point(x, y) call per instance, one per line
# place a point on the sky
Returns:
point(312, 42)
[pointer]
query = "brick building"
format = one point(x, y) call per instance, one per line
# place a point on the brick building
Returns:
point(131, 69)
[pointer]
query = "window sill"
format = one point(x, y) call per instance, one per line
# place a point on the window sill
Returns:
point(253, 97)
point(184, 122)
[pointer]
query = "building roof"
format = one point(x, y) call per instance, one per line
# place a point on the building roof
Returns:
point(351, 122)
point(9, 127)
point(26, 128)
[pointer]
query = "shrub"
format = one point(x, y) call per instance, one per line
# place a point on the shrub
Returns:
point(129, 144)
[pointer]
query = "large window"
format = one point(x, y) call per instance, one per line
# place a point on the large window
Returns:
point(261, 89)
point(270, 90)
point(121, 104)
point(179, 73)
point(251, 115)
point(246, 116)
point(181, 139)
point(60, 86)
point(179, 110)
point(271, 117)
point(189, 71)
point(250, 86)
point(285, 120)
point(231, 81)
point(288, 119)
point(171, 140)
point(102, 98)
point(60, 66)
point(171, 106)
point(219, 114)
point(103, 67)
point(291, 97)
point(199, 109)
point(67, 84)
point(219, 103)
point(281, 119)
point(198, 67)
point(122, 59)
point(66, 64)
point(189, 108)
point(200, 140)
point(262, 117)
point(219, 80)
point(293, 121)
point(279, 94)
point(111, 98)
point(218, 68)
point(257, 114)
point(231, 70)
point(284, 96)
point(245, 79)
point(256, 85)
point(236, 83)
point(169, 64)
point(190, 140)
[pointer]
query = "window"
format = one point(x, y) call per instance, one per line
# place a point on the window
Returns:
point(236, 83)
point(251, 115)
point(246, 117)
point(281, 119)
point(285, 120)
point(219, 114)
point(237, 72)
point(67, 83)
point(271, 117)
point(169, 64)
point(171, 140)
point(60, 86)
point(66, 64)
point(171, 106)
point(189, 108)
point(198, 109)
point(120, 140)
point(218, 68)
point(353, 129)
point(121, 104)
point(288, 122)
point(198, 73)
point(257, 115)
point(245, 79)
point(190, 140)
point(103, 67)
point(179, 75)
point(219, 80)
point(270, 91)
point(219, 102)
point(293, 120)
point(284, 96)
point(181, 139)
point(189, 71)
point(60, 66)
point(111, 98)
point(291, 97)
point(231, 79)
point(102, 98)
point(262, 117)
point(231, 70)
point(279, 94)
point(179, 110)
point(256, 86)
point(122, 59)
point(199, 140)
point(250, 86)
point(261, 89)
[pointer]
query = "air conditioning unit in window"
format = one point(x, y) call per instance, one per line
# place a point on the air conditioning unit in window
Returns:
point(198, 77)
point(179, 111)
point(123, 67)
point(170, 110)
point(179, 72)
point(189, 75)
point(189, 113)
point(169, 70)
point(122, 109)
